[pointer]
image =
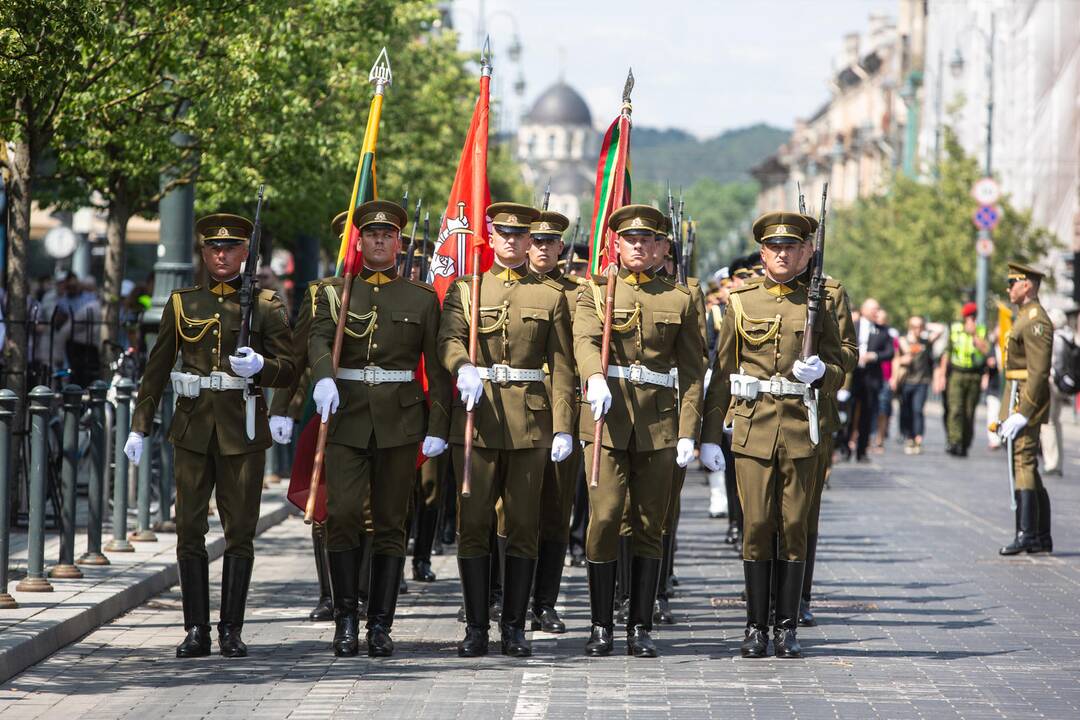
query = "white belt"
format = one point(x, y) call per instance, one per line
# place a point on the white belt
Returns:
point(502, 374)
point(641, 375)
point(748, 387)
point(190, 385)
point(373, 375)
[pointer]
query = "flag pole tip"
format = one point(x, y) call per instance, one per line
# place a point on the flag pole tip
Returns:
point(380, 71)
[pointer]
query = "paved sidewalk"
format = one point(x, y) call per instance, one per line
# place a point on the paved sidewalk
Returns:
point(919, 619)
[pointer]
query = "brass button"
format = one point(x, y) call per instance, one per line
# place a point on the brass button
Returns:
point(217, 315)
point(215, 332)
point(506, 303)
point(375, 326)
point(779, 299)
point(506, 284)
point(375, 289)
point(220, 299)
point(374, 346)
point(374, 308)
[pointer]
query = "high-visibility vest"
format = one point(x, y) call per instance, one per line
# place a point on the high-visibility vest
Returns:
point(963, 353)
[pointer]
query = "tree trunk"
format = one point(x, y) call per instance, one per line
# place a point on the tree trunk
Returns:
point(116, 240)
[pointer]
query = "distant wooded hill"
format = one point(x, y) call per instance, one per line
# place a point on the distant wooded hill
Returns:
point(679, 157)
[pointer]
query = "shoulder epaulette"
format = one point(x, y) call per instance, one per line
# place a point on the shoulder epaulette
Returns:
point(267, 294)
point(674, 283)
point(742, 289)
point(554, 284)
point(187, 290)
point(833, 283)
point(421, 284)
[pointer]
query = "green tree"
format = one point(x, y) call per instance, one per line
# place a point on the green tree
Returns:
point(913, 248)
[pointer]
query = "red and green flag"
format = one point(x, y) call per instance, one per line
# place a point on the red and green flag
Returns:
point(612, 191)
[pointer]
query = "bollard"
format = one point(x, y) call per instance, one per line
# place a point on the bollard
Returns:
point(40, 399)
point(7, 416)
point(122, 427)
point(66, 569)
point(165, 521)
point(98, 452)
point(143, 533)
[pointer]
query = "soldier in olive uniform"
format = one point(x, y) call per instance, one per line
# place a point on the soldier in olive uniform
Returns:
point(213, 452)
point(560, 479)
point(651, 423)
point(837, 304)
point(522, 392)
point(762, 388)
point(375, 407)
point(1025, 407)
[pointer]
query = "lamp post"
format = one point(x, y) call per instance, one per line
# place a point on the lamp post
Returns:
point(982, 267)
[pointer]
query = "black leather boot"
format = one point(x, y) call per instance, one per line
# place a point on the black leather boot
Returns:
point(235, 579)
point(475, 587)
point(645, 575)
point(518, 577)
point(1046, 541)
point(788, 591)
point(758, 585)
point(498, 559)
point(662, 614)
point(601, 604)
point(195, 594)
point(363, 587)
point(1027, 512)
point(549, 568)
point(345, 580)
point(624, 562)
point(426, 520)
point(805, 616)
point(385, 575)
point(324, 610)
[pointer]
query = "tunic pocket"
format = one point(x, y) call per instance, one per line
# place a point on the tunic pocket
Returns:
point(667, 325)
point(407, 326)
point(742, 418)
point(535, 321)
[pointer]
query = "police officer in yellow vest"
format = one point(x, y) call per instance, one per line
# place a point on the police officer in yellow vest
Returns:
point(1026, 406)
point(213, 452)
point(961, 369)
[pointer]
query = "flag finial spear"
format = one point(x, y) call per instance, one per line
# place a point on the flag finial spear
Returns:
point(381, 76)
point(485, 57)
point(628, 87)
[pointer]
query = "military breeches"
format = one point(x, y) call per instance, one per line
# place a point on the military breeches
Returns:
point(557, 497)
point(373, 483)
point(821, 471)
point(514, 476)
point(963, 392)
point(776, 496)
point(671, 520)
point(640, 480)
point(1026, 459)
point(429, 481)
point(235, 480)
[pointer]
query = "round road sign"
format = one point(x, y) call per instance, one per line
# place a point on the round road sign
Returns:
point(986, 217)
point(984, 247)
point(986, 191)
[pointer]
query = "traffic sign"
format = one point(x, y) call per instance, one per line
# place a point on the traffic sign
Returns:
point(984, 246)
point(987, 217)
point(986, 191)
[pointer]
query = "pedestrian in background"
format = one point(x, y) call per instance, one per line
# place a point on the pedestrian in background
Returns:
point(885, 398)
point(1050, 433)
point(913, 372)
point(875, 347)
point(960, 377)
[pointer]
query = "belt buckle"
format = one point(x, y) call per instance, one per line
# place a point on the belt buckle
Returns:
point(637, 374)
point(369, 373)
point(500, 374)
point(215, 381)
point(776, 385)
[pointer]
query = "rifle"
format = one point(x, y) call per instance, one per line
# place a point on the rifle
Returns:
point(547, 195)
point(247, 306)
point(676, 244)
point(569, 256)
point(815, 297)
point(424, 247)
point(412, 240)
point(688, 245)
point(612, 273)
point(677, 230)
point(802, 198)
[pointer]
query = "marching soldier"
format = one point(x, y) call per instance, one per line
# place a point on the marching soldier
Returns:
point(560, 479)
point(523, 416)
point(1025, 407)
point(375, 408)
point(837, 304)
point(765, 392)
point(212, 451)
point(652, 420)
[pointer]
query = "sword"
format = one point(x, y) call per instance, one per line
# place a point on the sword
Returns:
point(811, 401)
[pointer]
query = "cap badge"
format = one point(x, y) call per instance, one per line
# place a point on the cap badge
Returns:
point(545, 226)
point(638, 222)
point(223, 232)
point(781, 229)
point(511, 218)
point(380, 217)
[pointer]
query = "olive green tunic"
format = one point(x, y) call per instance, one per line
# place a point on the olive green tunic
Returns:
point(1027, 365)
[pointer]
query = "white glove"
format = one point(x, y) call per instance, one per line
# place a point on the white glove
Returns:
point(843, 395)
point(809, 370)
point(470, 386)
point(684, 452)
point(561, 445)
point(708, 378)
point(712, 457)
point(246, 362)
point(326, 398)
point(133, 447)
point(598, 395)
point(281, 428)
point(1012, 426)
point(433, 446)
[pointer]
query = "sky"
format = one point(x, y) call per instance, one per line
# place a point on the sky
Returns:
point(704, 67)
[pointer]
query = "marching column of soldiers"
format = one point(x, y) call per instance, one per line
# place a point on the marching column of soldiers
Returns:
point(734, 375)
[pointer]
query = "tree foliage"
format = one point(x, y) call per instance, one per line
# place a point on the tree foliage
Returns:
point(913, 249)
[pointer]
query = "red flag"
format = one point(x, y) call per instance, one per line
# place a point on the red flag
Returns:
point(612, 192)
point(466, 218)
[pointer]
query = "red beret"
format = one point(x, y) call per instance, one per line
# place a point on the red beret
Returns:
point(969, 309)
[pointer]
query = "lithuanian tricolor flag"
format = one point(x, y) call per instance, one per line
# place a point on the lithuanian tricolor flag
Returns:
point(612, 191)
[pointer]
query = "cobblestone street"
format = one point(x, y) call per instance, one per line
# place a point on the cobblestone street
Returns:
point(919, 617)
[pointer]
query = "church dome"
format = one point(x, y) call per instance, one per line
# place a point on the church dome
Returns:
point(560, 104)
